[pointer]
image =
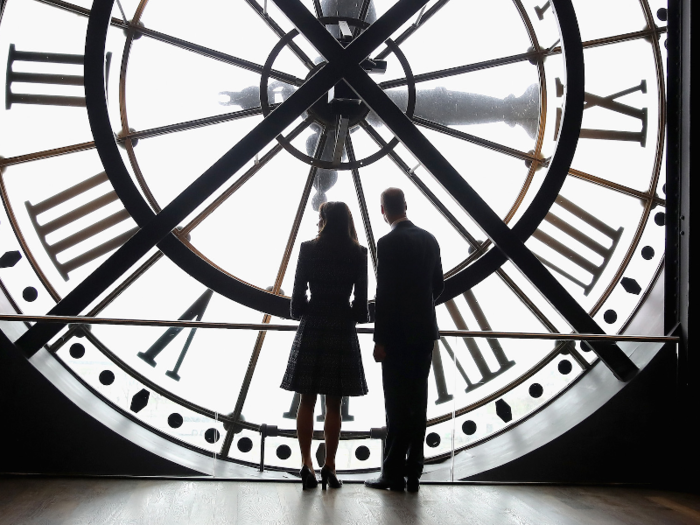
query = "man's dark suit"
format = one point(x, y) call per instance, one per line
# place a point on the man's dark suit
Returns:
point(409, 280)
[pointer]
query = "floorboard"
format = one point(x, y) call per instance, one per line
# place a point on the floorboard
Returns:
point(86, 501)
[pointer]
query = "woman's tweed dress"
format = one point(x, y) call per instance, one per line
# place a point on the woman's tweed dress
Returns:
point(325, 356)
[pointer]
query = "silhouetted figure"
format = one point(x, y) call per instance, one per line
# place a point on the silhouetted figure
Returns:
point(409, 281)
point(325, 356)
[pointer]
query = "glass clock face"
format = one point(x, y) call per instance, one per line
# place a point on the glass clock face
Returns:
point(169, 117)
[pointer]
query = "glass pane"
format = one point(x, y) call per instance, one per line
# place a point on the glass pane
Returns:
point(498, 178)
point(139, 401)
point(596, 241)
point(254, 253)
point(383, 174)
point(168, 175)
point(618, 140)
point(267, 403)
point(467, 33)
point(229, 27)
point(481, 366)
point(33, 183)
point(215, 361)
point(479, 421)
point(624, 16)
point(167, 85)
point(31, 125)
point(490, 104)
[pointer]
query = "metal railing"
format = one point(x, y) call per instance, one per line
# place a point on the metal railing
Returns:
point(263, 327)
point(233, 423)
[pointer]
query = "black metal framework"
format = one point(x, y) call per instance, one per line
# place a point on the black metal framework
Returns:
point(317, 161)
point(678, 314)
point(342, 63)
point(650, 33)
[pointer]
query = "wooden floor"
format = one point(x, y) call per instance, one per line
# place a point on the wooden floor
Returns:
point(131, 501)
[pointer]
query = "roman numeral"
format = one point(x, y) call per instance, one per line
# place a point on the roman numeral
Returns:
point(570, 232)
point(503, 362)
point(344, 409)
point(439, 374)
point(610, 103)
point(42, 78)
point(473, 348)
point(76, 214)
point(194, 313)
point(541, 10)
point(293, 408)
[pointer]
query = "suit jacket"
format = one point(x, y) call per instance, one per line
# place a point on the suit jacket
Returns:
point(409, 281)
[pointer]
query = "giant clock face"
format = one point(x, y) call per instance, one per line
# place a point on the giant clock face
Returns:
point(164, 161)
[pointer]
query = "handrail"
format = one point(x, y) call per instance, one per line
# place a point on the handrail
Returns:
point(475, 334)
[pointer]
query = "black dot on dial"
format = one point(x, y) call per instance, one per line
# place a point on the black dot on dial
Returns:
point(660, 218)
point(469, 427)
point(30, 294)
point(648, 253)
point(245, 444)
point(175, 420)
point(77, 350)
point(283, 452)
point(362, 453)
point(536, 390)
point(212, 435)
point(662, 14)
point(432, 440)
point(610, 316)
point(106, 377)
point(564, 366)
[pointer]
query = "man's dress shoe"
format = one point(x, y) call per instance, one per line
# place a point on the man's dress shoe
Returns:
point(384, 483)
point(412, 484)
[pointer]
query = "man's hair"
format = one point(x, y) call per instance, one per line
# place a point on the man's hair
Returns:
point(393, 201)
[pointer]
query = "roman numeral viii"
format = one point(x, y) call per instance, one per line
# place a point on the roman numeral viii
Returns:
point(81, 243)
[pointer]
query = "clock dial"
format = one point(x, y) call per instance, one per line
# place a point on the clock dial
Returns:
point(209, 154)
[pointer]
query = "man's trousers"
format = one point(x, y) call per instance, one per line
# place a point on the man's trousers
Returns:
point(405, 376)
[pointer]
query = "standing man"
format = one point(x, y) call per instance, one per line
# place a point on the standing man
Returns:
point(409, 280)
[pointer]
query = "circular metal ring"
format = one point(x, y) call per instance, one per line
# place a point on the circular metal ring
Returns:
point(327, 164)
point(260, 299)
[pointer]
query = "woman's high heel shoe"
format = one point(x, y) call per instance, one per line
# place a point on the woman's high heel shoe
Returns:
point(328, 477)
point(308, 478)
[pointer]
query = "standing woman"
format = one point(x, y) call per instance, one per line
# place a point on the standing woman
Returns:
point(325, 356)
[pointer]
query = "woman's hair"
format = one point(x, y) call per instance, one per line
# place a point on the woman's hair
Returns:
point(336, 222)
